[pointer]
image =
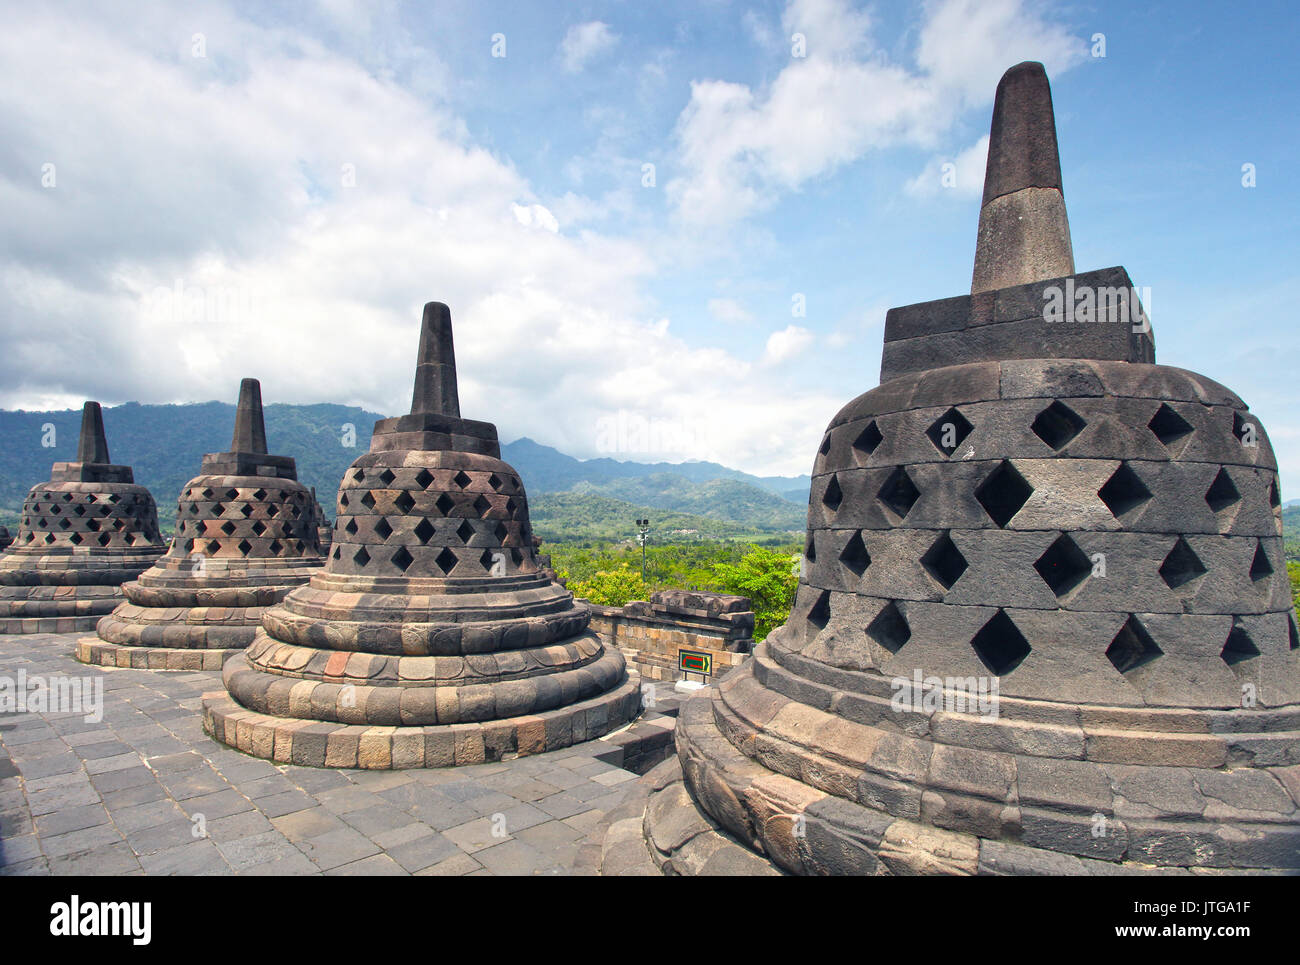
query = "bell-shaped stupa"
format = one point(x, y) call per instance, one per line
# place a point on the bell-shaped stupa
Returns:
point(324, 528)
point(246, 534)
point(1043, 624)
point(83, 533)
point(431, 637)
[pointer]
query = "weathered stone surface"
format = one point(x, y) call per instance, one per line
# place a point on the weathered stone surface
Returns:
point(83, 534)
point(651, 634)
point(1042, 624)
point(246, 533)
point(432, 632)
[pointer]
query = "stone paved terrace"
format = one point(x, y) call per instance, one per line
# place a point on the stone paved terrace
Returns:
point(118, 797)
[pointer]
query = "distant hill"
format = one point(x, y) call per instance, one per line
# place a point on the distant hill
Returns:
point(1291, 530)
point(560, 517)
point(721, 499)
point(549, 470)
point(163, 443)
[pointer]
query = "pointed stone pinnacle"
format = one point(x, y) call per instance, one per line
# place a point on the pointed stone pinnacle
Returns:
point(250, 429)
point(1024, 235)
point(92, 447)
point(435, 371)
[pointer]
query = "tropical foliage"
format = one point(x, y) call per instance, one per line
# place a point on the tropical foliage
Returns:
point(610, 574)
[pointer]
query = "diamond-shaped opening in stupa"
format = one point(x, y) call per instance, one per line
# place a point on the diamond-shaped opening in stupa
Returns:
point(446, 560)
point(820, 613)
point(1063, 566)
point(1239, 646)
point(949, 431)
point(1000, 645)
point(1124, 491)
point(1170, 428)
point(1181, 566)
point(869, 439)
point(1057, 425)
point(899, 494)
point(833, 495)
point(1003, 493)
point(1223, 493)
point(1260, 567)
point(1132, 647)
point(944, 561)
point(855, 555)
point(889, 628)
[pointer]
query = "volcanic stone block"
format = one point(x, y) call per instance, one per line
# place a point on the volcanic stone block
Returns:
point(246, 533)
point(83, 534)
point(1042, 594)
point(432, 637)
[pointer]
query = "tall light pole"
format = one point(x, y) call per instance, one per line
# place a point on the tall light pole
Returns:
point(643, 534)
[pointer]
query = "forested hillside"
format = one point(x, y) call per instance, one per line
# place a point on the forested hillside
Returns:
point(602, 497)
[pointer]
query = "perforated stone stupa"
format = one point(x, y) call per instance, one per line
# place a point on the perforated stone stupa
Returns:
point(324, 528)
point(246, 534)
point(431, 637)
point(83, 533)
point(1028, 504)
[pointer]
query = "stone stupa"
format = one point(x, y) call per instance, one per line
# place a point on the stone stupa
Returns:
point(324, 528)
point(246, 534)
point(1027, 503)
point(431, 637)
point(83, 533)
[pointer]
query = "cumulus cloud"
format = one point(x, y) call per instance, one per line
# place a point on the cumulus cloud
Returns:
point(583, 42)
point(278, 210)
point(742, 148)
point(786, 344)
point(535, 215)
point(963, 175)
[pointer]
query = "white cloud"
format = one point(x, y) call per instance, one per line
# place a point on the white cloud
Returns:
point(583, 42)
point(729, 310)
point(786, 344)
point(740, 149)
point(761, 31)
point(965, 178)
point(535, 216)
point(228, 176)
point(966, 45)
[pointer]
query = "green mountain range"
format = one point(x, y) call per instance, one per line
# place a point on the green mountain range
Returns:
point(601, 497)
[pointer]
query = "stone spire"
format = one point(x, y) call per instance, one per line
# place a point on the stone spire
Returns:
point(246, 534)
point(1024, 235)
point(93, 445)
point(433, 630)
point(435, 370)
point(955, 518)
point(250, 429)
point(84, 532)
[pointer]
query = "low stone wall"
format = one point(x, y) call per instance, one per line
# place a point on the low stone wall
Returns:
point(650, 634)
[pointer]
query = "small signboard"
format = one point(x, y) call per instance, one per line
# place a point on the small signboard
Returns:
point(695, 661)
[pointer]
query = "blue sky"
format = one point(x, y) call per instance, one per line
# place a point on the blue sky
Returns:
point(307, 179)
